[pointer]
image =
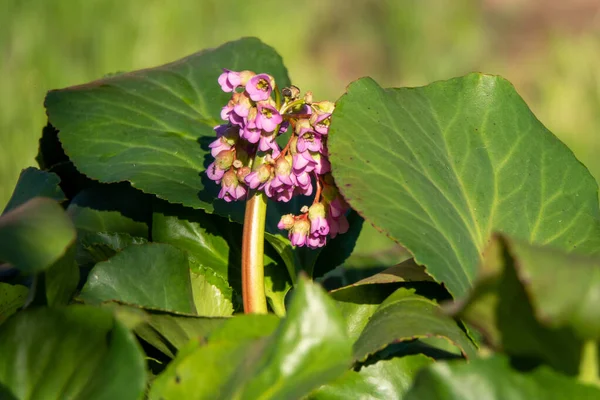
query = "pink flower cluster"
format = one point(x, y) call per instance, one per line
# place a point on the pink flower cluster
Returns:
point(247, 156)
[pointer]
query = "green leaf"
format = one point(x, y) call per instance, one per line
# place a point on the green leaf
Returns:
point(111, 208)
point(277, 286)
point(166, 330)
point(493, 379)
point(152, 275)
point(35, 235)
point(442, 166)
point(308, 349)
point(406, 316)
point(12, 297)
point(209, 241)
point(152, 127)
point(61, 279)
point(386, 379)
point(35, 183)
point(95, 247)
point(531, 302)
point(212, 294)
point(77, 352)
point(563, 288)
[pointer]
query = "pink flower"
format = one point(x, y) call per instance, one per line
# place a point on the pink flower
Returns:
point(268, 117)
point(318, 222)
point(231, 189)
point(259, 177)
point(259, 88)
point(214, 173)
point(321, 122)
point(286, 222)
point(310, 141)
point(229, 80)
point(298, 235)
point(337, 225)
point(315, 241)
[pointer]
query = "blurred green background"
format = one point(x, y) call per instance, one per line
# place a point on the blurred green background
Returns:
point(550, 50)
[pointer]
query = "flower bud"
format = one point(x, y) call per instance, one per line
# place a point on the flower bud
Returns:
point(242, 173)
point(263, 173)
point(308, 97)
point(283, 166)
point(224, 159)
point(301, 226)
point(323, 107)
point(230, 179)
point(315, 211)
point(286, 222)
point(245, 76)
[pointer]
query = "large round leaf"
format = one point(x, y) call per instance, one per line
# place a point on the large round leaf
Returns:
point(440, 167)
point(78, 352)
point(152, 127)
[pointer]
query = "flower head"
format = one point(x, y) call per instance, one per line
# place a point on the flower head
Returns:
point(260, 86)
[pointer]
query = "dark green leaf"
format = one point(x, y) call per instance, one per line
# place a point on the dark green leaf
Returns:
point(152, 275)
point(77, 352)
point(35, 183)
point(61, 279)
point(277, 286)
point(167, 331)
point(493, 379)
point(387, 379)
point(442, 166)
point(12, 297)
point(35, 235)
point(406, 316)
point(152, 127)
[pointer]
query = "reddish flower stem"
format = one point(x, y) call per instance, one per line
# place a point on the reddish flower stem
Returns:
point(253, 242)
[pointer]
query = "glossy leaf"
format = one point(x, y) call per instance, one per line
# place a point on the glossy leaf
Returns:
point(438, 168)
point(212, 294)
point(152, 275)
point(386, 379)
point(209, 241)
point(308, 349)
point(494, 379)
point(78, 352)
point(35, 235)
point(35, 183)
point(12, 297)
point(406, 316)
point(152, 127)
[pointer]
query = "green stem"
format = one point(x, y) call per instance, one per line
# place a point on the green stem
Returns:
point(253, 244)
point(588, 369)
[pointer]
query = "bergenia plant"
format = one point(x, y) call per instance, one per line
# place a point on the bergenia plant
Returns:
point(205, 230)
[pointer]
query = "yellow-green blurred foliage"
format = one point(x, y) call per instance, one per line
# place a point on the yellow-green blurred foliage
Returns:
point(550, 50)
